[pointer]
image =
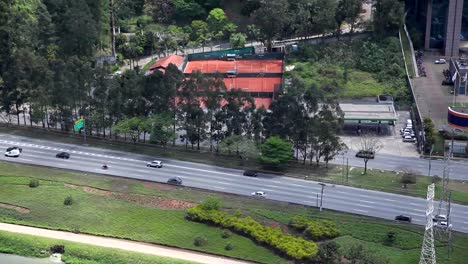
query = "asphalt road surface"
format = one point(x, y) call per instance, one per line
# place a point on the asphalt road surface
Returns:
point(340, 198)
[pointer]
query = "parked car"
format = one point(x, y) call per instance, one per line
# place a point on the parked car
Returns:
point(175, 181)
point(250, 173)
point(154, 164)
point(403, 218)
point(409, 139)
point(440, 61)
point(366, 154)
point(258, 194)
point(14, 153)
point(63, 155)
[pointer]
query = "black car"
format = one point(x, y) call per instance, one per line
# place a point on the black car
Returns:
point(12, 148)
point(403, 218)
point(175, 181)
point(63, 155)
point(250, 173)
point(366, 154)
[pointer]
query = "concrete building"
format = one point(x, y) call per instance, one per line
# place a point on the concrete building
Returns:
point(444, 23)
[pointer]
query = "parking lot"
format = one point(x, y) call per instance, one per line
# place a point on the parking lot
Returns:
point(389, 138)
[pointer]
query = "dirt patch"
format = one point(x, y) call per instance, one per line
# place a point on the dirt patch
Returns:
point(154, 201)
point(159, 186)
point(20, 209)
point(145, 200)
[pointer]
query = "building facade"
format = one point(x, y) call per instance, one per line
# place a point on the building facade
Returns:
point(444, 23)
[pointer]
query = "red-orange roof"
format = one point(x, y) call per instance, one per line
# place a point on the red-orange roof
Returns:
point(162, 63)
point(258, 84)
point(242, 66)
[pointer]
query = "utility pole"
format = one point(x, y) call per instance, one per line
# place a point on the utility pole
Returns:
point(321, 195)
point(428, 254)
point(84, 130)
point(430, 159)
point(347, 170)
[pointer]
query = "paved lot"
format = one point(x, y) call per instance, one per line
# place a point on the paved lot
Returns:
point(390, 139)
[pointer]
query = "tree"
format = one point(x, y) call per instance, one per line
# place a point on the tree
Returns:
point(276, 152)
point(160, 10)
point(253, 33)
point(237, 40)
point(271, 18)
point(388, 16)
point(199, 32)
point(218, 24)
point(408, 177)
point(429, 133)
point(131, 126)
point(369, 146)
point(240, 145)
point(349, 12)
point(161, 129)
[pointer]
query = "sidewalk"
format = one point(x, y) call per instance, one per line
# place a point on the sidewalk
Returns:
point(121, 244)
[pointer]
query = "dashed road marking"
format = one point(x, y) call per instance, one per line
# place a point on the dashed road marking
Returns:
point(364, 201)
point(390, 200)
point(362, 211)
point(363, 205)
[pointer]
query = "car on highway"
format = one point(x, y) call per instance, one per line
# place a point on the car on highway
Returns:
point(440, 217)
point(440, 61)
point(175, 181)
point(154, 164)
point(63, 155)
point(443, 225)
point(14, 153)
point(250, 173)
point(403, 218)
point(12, 148)
point(258, 194)
point(366, 154)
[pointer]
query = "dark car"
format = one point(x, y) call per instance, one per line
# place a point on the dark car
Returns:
point(250, 173)
point(403, 218)
point(175, 181)
point(366, 154)
point(12, 148)
point(63, 155)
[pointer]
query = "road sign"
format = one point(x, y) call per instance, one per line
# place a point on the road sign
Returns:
point(79, 124)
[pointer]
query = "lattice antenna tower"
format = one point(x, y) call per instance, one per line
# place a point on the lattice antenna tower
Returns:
point(428, 255)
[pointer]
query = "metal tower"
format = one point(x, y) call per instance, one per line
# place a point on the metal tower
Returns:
point(428, 255)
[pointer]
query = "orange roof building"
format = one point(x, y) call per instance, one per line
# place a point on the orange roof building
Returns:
point(162, 63)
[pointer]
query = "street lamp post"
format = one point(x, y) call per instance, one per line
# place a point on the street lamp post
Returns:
point(430, 158)
point(321, 194)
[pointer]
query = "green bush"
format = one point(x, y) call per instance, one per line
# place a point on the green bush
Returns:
point(33, 183)
point(293, 247)
point(226, 234)
point(200, 241)
point(229, 246)
point(68, 200)
point(211, 203)
point(315, 229)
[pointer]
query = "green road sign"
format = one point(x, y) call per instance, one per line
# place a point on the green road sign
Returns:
point(79, 124)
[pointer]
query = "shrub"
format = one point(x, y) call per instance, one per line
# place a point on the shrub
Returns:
point(57, 249)
point(33, 183)
point(211, 203)
point(200, 241)
point(391, 237)
point(315, 229)
point(293, 247)
point(229, 246)
point(68, 200)
point(226, 234)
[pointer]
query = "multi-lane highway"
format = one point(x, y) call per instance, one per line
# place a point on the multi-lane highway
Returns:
point(341, 198)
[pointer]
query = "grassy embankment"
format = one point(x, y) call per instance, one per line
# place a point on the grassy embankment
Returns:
point(121, 213)
point(75, 253)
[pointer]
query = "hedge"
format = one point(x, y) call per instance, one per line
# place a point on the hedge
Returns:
point(315, 229)
point(293, 247)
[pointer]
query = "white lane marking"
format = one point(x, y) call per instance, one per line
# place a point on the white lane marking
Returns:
point(465, 212)
point(342, 192)
point(465, 223)
point(390, 200)
point(415, 204)
point(221, 188)
point(298, 185)
point(363, 195)
point(364, 201)
point(362, 211)
point(25, 159)
point(144, 171)
point(276, 181)
point(362, 205)
point(35, 156)
point(415, 214)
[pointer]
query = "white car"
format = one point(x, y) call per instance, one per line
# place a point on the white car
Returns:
point(440, 61)
point(440, 217)
point(443, 225)
point(258, 194)
point(408, 139)
point(13, 153)
point(154, 164)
